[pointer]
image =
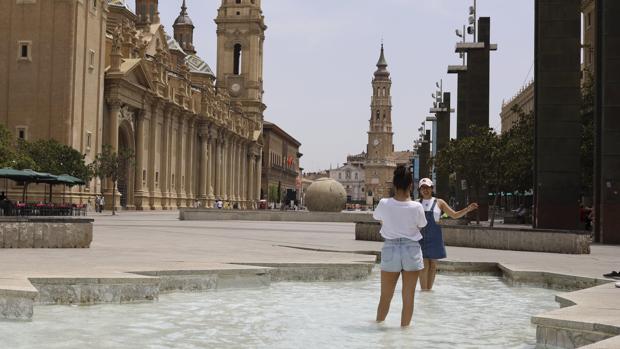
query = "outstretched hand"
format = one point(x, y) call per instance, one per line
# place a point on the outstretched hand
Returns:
point(472, 207)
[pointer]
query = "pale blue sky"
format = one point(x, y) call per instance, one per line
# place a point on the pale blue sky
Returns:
point(320, 56)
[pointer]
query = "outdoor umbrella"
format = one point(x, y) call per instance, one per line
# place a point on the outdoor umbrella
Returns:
point(40, 177)
point(70, 181)
point(14, 175)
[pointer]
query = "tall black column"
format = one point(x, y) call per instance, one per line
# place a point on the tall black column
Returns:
point(607, 121)
point(557, 114)
point(462, 119)
point(443, 137)
point(425, 151)
point(478, 78)
point(478, 97)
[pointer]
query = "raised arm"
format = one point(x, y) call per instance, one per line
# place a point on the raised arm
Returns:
point(456, 214)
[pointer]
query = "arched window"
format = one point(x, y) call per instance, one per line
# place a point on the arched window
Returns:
point(355, 175)
point(378, 115)
point(152, 12)
point(237, 60)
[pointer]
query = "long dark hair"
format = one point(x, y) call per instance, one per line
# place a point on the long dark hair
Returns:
point(402, 178)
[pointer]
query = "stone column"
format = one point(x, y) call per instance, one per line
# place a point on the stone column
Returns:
point(211, 167)
point(231, 169)
point(189, 163)
point(218, 169)
point(164, 167)
point(204, 158)
point(113, 117)
point(241, 174)
point(237, 171)
point(139, 168)
point(244, 175)
point(557, 123)
point(153, 145)
point(257, 177)
point(250, 179)
point(178, 167)
point(224, 171)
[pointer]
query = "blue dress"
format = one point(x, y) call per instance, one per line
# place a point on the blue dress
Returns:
point(432, 237)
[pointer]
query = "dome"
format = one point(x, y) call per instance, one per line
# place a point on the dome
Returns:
point(198, 65)
point(183, 19)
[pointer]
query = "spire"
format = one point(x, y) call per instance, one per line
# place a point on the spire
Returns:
point(382, 64)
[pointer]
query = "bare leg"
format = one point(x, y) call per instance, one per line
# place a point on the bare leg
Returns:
point(432, 271)
point(410, 280)
point(424, 275)
point(388, 284)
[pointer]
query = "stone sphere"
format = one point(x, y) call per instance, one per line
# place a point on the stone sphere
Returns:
point(326, 195)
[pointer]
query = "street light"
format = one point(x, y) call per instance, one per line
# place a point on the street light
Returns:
point(471, 29)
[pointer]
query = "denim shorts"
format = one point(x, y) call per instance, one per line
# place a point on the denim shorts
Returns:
point(401, 254)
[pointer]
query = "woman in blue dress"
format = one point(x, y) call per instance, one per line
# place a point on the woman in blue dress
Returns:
point(432, 237)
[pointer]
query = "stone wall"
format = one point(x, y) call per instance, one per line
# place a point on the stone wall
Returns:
point(197, 214)
point(534, 240)
point(43, 232)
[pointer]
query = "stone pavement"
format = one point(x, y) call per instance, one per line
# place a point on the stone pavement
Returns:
point(157, 241)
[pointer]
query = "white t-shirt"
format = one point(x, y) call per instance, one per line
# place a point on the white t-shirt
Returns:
point(400, 219)
point(427, 204)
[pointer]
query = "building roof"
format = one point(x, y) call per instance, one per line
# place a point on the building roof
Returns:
point(276, 129)
point(119, 3)
point(198, 65)
point(173, 45)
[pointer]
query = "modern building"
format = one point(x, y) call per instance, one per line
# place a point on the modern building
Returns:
point(281, 174)
point(92, 73)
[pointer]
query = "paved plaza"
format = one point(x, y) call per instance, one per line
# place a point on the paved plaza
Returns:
point(147, 241)
point(159, 242)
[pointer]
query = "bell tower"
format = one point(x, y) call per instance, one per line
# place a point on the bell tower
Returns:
point(380, 131)
point(380, 165)
point(240, 36)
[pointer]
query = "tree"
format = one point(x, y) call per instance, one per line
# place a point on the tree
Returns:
point(12, 151)
point(475, 158)
point(113, 166)
point(519, 143)
point(53, 157)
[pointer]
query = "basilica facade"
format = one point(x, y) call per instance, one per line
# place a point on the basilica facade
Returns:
point(93, 73)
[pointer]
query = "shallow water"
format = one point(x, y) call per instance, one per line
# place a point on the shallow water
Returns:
point(461, 312)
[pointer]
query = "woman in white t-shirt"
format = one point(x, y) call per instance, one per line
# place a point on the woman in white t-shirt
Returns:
point(401, 221)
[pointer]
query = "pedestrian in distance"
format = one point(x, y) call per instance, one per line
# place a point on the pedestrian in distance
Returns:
point(401, 220)
point(432, 243)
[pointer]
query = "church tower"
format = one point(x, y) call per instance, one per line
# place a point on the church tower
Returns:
point(380, 149)
point(240, 36)
point(184, 31)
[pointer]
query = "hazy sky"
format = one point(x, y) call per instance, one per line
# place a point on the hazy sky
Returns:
point(320, 56)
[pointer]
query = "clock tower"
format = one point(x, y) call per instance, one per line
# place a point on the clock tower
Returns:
point(380, 164)
point(240, 36)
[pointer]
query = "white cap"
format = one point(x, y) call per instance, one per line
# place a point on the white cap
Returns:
point(425, 181)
